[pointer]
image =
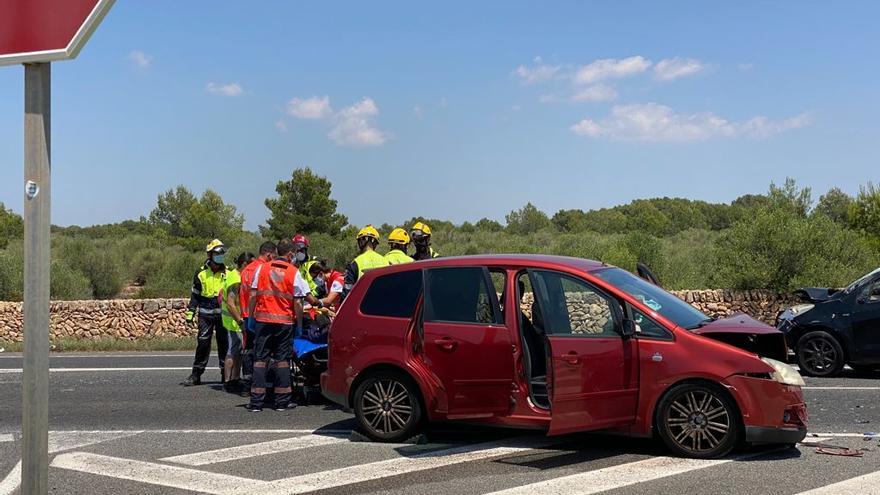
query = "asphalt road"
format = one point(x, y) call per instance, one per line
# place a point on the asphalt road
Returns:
point(120, 424)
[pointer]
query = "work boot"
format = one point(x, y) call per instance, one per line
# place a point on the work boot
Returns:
point(285, 407)
point(232, 387)
point(191, 380)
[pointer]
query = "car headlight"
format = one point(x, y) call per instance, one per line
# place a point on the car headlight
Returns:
point(784, 373)
point(801, 309)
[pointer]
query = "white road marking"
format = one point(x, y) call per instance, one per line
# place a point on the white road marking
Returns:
point(292, 432)
point(60, 441)
point(252, 450)
point(621, 475)
point(841, 388)
point(868, 484)
point(402, 465)
point(75, 370)
point(155, 474)
point(613, 477)
point(844, 435)
point(11, 481)
point(56, 355)
point(6, 437)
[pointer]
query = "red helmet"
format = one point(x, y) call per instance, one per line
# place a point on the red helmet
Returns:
point(300, 241)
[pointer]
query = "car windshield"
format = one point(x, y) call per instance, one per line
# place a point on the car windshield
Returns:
point(671, 307)
point(850, 287)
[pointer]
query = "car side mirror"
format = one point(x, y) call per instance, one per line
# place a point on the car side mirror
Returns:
point(628, 328)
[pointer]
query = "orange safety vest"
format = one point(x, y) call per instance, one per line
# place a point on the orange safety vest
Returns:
point(247, 278)
point(275, 293)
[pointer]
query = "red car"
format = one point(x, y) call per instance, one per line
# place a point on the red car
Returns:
point(559, 344)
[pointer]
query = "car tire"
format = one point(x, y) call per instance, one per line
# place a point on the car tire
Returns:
point(698, 420)
point(387, 407)
point(819, 354)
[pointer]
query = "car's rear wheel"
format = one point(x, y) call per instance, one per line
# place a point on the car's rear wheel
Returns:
point(387, 407)
point(819, 354)
point(698, 420)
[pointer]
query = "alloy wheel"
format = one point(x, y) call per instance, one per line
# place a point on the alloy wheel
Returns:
point(387, 407)
point(698, 421)
point(819, 355)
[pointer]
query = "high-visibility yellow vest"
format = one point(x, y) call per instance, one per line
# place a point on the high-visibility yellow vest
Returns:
point(304, 271)
point(369, 260)
point(206, 296)
point(396, 257)
point(232, 278)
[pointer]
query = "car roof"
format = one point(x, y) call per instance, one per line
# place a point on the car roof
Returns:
point(530, 260)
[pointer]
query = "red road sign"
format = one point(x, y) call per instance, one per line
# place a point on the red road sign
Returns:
point(47, 30)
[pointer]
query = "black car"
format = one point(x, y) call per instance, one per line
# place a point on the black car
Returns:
point(835, 327)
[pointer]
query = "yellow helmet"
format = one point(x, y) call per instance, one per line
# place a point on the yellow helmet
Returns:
point(398, 236)
point(368, 231)
point(215, 245)
point(420, 232)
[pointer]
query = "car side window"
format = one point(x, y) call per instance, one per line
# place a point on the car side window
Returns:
point(648, 328)
point(394, 295)
point(460, 295)
point(871, 292)
point(571, 306)
point(499, 283)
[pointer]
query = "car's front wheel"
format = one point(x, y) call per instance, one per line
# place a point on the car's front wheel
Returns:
point(698, 420)
point(387, 407)
point(819, 354)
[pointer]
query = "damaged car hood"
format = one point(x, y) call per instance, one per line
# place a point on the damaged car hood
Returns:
point(747, 333)
point(815, 294)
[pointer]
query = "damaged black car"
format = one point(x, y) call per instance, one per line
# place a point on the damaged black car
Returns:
point(835, 327)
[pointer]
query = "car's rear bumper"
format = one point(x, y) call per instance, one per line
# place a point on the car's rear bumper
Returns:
point(331, 395)
point(766, 434)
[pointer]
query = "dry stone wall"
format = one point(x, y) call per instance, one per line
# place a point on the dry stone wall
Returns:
point(133, 319)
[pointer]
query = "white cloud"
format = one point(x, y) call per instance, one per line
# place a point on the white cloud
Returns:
point(231, 89)
point(673, 68)
point(540, 72)
point(745, 66)
point(443, 102)
point(548, 98)
point(353, 127)
point(417, 111)
point(652, 122)
point(596, 92)
point(281, 126)
point(610, 68)
point(314, 108)
point(140, 59)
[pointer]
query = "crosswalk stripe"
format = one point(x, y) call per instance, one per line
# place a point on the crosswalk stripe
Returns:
point(621, 475)
point(155, 474)
point(868, 484)
point(6, 437)
point(613, 477)
point(252, 450)
point(402, 465)
point(10, 483)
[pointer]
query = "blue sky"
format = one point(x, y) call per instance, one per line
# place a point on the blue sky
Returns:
point(456, 110)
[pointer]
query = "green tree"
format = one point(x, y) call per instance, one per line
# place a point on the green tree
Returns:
point(790, 197)
point(835, 205)
point(864, 213)
point(488, 225)
point(11, 226)
point(172, 206)
point(210, 217)
point(527, 220)
point(303, 205)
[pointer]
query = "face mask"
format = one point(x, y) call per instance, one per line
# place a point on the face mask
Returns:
point(300, 257)
point(218, 259)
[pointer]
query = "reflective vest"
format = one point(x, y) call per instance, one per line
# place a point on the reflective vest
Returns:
point(247, 278)
point(369, 260)
point(304, 271)
point(396, 257)
point(206, 288)
point(275, 285)
point(232, 278)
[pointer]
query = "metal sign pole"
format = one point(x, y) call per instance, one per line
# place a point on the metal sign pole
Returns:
point(35, 376)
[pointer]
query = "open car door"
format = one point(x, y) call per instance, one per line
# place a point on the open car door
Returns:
point(592, 370)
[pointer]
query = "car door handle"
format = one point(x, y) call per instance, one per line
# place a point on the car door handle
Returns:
point(571, 358)
point(446, 343)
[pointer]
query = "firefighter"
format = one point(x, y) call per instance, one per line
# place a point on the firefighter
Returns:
point(420, 234)
point(398, 240)
point(276, 305)
point(368, 259)
point(206, 286)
